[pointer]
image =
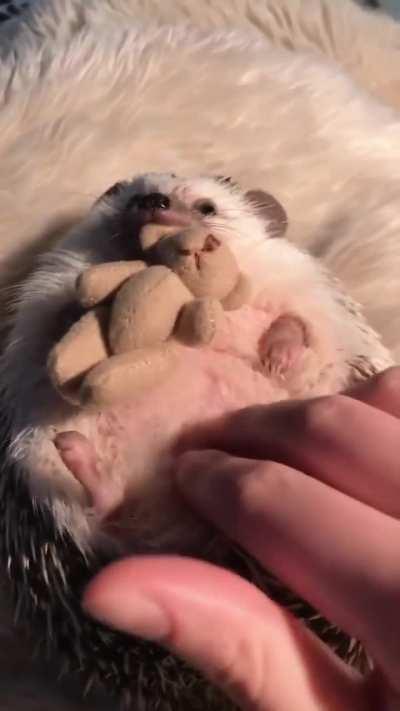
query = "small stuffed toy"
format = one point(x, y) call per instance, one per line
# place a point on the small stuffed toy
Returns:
point(137, 311)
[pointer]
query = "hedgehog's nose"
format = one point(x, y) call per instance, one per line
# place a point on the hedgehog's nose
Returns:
point(153, 201)
point(191, 243)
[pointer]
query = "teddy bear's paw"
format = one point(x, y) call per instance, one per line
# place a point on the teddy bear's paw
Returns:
point(101, 282)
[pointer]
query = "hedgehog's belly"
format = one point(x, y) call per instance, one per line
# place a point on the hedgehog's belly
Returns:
point(133, 442)
point(205, 383)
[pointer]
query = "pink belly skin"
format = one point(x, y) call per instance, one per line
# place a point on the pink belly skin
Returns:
point(133, 443)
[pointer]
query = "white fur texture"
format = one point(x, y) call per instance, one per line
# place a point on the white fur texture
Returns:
point(89, 96)
point(365, 43)
point(284, 280)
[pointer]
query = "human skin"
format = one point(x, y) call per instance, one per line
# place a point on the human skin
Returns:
point(312, 490)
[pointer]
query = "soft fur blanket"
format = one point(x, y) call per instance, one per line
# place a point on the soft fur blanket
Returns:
point(299, 97)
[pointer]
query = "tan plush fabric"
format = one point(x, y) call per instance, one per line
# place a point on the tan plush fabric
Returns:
point(98, 91)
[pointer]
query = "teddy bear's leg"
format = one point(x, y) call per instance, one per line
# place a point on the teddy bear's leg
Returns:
point(99, 283)
point(198, 321)
point(82, 347)
point(122, 377)
point(283, 344)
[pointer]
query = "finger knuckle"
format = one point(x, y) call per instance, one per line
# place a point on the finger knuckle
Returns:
point(387, 383)
point(227, 673)
point(241, 672)
point(267, 482)
point(321, 415)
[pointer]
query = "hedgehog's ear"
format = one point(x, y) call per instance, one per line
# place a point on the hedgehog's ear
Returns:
point(225, 180)
point(111, 191)
point(271, 210)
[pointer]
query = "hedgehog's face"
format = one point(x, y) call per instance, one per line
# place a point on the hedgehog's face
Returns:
point(242, 219)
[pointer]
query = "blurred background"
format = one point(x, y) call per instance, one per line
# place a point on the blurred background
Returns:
point(11, 8)
point(391, 6)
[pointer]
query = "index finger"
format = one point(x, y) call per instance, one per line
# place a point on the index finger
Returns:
point(382, 391)
point(339, 554)
point(342, 441)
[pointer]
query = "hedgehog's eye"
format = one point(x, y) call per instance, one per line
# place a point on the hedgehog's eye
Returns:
point(116, 188)
point(205, 207)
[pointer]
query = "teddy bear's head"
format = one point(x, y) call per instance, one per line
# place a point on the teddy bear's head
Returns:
point(204, 263)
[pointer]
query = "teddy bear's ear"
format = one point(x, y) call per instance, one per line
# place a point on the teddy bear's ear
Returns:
point(271, 210)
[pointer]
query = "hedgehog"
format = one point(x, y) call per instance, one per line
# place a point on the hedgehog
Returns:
point(298, 335)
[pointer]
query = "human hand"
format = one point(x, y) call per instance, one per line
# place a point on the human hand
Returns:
point(312, 490)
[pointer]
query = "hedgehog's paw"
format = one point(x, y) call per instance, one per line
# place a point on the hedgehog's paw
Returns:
point(282, 346)
point(79, 456)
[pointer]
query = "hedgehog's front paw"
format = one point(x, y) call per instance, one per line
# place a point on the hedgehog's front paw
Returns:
point(282, 346)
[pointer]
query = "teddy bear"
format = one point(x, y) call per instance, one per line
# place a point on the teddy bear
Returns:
point(137, 311)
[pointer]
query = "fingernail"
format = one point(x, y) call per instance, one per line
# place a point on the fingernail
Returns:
point(136, 614)
point(60, 444)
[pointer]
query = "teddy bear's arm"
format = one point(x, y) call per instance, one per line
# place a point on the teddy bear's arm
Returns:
point(99, 283)
point(146, 308)
point(122, 377)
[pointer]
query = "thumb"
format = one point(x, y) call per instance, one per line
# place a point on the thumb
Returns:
point(227, 629)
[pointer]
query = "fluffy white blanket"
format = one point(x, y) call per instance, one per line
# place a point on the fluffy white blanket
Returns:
point(299, 97)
